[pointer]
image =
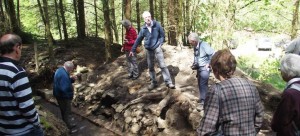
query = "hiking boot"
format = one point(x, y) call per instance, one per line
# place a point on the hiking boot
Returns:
point(201, 102)
point(72, 131)
point(134, 78)
point(129, 77)
point(171, 86)
point(152, 86)
point(72, 125)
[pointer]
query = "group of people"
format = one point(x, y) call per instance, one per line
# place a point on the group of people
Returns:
point(231, 106)
point(154, 36)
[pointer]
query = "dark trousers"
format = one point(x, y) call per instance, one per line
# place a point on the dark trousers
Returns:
point(203, 76)
point(36, 131)
point(65, 109)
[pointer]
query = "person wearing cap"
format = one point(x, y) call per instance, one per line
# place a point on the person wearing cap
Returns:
point(18, 115)
point(130, 37)
point(154, 36)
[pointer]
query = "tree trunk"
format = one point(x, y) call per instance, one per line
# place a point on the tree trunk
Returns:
point(10, 8)
point(113, 19)
point(96, 17)
point(161, 12)
point(179, 21)
point(1, 11)
point(76, 17)
point(128, 9)
point(107, 30)
point(58, 20)
point(62, 13)
point(187, 22)
point(81, 19)
point(171, 23)
point(138, 19)
point(18, 13)
point(295, 20)
point(151, 8)
point(155, 9)
point(48, 32)
point(2, 19)
point(43, 17)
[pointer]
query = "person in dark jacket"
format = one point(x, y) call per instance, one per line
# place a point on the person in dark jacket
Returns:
point(153, 35)
point(130, 37)
point(286, 118)
point(63, 91)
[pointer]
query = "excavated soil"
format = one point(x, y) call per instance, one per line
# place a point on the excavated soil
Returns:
point(109, 78)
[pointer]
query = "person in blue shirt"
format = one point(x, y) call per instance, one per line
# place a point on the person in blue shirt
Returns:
point(202, 56)
point(153, 35)
point(63, 92)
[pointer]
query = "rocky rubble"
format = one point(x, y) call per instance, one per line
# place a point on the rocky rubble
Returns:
point(135, 109)
point(104, 93)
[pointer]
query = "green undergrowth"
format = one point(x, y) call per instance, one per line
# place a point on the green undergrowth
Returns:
point(262, 70)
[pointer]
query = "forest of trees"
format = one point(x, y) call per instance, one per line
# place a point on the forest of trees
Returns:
point(215, 20)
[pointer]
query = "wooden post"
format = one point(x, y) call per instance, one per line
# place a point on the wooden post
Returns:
point(36, 57)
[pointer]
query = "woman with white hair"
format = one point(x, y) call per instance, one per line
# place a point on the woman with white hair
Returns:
point(286, 119)
point(130, 37)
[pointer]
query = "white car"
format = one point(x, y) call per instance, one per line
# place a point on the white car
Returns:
point(264, 44)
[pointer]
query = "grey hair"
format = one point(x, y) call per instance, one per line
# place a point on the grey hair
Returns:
point(146, 14)
point(290, 65)
point(126, 23)
point(69, 65)
point(193, 36)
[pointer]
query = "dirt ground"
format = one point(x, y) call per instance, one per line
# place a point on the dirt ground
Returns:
point(90, 53)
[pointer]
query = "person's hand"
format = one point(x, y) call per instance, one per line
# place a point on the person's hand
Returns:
point(207, 66)
point(122, 49)
point(130, 53)
point(125, 41)
point(74, 77)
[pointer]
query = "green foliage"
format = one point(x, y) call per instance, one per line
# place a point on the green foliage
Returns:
point(266, 72)
point(270, 16)
point(47, 125)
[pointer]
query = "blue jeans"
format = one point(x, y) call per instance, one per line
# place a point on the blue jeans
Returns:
point(203, 76)
point(36, 131)
point(158, 54)
point(132, 65)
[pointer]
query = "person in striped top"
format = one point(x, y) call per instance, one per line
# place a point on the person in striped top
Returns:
point(18, 115)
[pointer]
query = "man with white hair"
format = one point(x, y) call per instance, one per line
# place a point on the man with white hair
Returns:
point(286, 119)
point(202, 56)
point(153, 35)
point(63, 92)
